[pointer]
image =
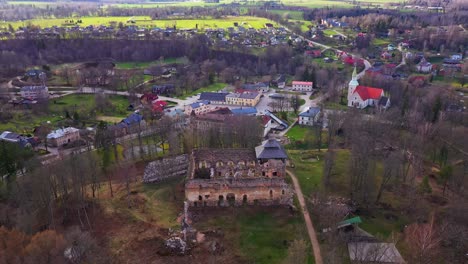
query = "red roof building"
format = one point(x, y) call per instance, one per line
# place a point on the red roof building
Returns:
point(366, 92)
point(158, 106)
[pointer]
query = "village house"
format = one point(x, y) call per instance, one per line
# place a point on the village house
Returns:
point(255, 87)
point(34, 92)
point(166, 89)
point(244, 99)
point(309, 117)
point(279, 82)
point(62, 136)
point(213, 98)
point(302, 86)
point(362, 96)
point(266, 124)
point(234, 177)
point(197, 108)
point(424, 66)
point(131, 124)
point(22, 141)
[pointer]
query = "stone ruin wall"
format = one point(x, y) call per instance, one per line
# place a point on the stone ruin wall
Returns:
point(167, 168)
point(232, 192)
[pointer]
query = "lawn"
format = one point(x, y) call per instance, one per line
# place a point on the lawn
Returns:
point(380, 42)
point(335, 106)
point(259, 235)
point(127, 65)
point(308, 168)
point(296, 15)
point(303, 23)
point(210, 88)
point(305, 137)
point(26, 121)
point(146, 21)
point(86, 102)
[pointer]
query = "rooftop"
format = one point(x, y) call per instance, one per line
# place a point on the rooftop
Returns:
point(270, 149)
point(211, 96)
point(62, 132)
point(311, 112)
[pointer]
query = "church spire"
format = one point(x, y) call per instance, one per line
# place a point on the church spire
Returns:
point(354, 73)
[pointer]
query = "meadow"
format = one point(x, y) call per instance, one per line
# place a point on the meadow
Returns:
point(146, 21)
point(26, 121)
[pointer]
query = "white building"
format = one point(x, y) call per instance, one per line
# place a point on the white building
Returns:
point(309, 117)
point(424, 66)
point(302, 86)
point(363, 96)
point(34, 92)
point(63, 136)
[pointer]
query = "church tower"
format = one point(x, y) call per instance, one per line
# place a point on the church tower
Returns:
point(353, 84)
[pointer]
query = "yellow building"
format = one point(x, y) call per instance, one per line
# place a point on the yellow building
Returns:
point(243, 99)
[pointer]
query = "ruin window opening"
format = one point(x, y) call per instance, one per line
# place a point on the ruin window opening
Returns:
point(200, 198)
point(244, 199)
point(282, 192)
point(231, 198)
point(220, 200)
point(275, 173)
point(271, 193)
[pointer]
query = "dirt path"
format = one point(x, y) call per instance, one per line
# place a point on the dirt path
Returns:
point(308, 221)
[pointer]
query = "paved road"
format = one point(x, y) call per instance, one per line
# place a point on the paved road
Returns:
point(308, 221)
point(367, 64)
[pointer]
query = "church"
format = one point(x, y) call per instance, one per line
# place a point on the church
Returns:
point(363, 96)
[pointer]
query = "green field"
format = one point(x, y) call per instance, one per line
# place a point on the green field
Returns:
point(210, 88)
point(296, 15)
point(26, 121)
point(305, 137)
point(258, 234)
point(127, 65)
point(309, 170)
point(146, 21)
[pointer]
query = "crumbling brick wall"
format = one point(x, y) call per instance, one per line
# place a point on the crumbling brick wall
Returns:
point(166, 168)
point(238, 192)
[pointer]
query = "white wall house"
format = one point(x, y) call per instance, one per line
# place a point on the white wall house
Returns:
point(63, 136)
point(309, 117)
point(34, 92)
point(302, 86)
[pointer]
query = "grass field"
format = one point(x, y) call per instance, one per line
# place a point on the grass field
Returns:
point(211, 88)
point(146, 21)
point(259, 235)
point(25, 122)
point(309, 170)
point(305, 137)
point(127, 65)
point(296, 15)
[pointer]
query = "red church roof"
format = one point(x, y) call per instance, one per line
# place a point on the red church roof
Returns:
point(366, 92)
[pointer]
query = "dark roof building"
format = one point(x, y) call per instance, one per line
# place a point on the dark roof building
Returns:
point(213, 97)
point(270, 149)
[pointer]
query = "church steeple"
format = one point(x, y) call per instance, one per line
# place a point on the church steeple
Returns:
point(353, 84)
point(354, 77)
